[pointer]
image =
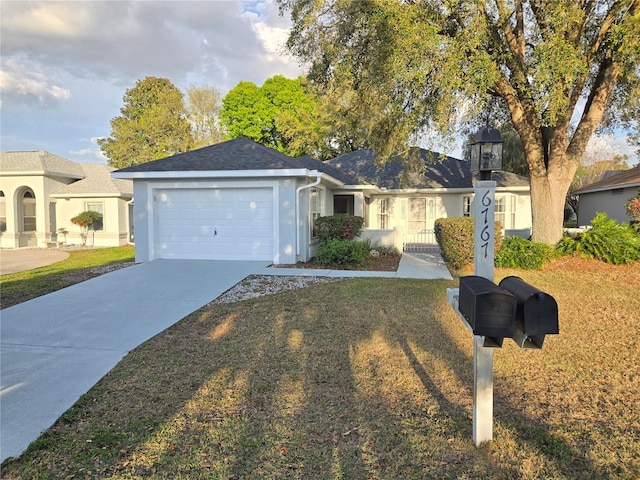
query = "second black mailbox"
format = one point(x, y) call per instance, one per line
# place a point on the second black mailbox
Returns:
point(537, 312)
point(489, 309)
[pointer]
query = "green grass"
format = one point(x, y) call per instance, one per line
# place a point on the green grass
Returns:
point(79, 266)
point(363, 379)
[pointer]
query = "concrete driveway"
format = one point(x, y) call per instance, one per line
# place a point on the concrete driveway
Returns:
point(56, 347)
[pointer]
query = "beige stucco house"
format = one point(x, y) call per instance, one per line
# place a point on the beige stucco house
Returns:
point(608, 195)
point(40, 192)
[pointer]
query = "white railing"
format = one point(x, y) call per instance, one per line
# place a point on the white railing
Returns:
point(422, 241)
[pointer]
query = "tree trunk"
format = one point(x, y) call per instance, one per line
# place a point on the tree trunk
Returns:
point(548, 194)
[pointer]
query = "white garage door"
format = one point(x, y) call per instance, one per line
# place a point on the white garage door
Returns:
point(214, 224)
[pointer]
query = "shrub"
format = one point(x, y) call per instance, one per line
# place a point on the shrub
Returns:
point(341, 253)
point(517, 252)
point(607, 241)
point(341, 227)
point(455, 238)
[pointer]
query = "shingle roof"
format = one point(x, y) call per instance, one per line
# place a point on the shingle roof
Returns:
point(97, 181)
point(325, 167)
point(236, 154)
point(621, 179)
point(39, 162)
point(439, 171)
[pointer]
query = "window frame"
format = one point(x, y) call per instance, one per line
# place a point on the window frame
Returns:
point(87, 208)
point(316, 210)
point(383, 213)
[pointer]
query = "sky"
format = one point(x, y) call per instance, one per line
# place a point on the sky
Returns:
point(65, 66)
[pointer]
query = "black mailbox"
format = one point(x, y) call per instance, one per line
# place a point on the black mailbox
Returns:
point(489, 309)
point(536, 315)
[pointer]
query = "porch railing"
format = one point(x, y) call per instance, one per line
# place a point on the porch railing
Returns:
point(422, 241)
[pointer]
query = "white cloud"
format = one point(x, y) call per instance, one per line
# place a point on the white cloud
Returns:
point(29, 80)
point(98, 49)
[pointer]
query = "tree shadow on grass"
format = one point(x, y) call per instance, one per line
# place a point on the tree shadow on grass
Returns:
point(356, 379)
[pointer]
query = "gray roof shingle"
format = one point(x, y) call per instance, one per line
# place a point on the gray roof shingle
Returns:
point(438, 171)
point(39, 162)
point(237, 154)
point(621, 179)
point(98, 182)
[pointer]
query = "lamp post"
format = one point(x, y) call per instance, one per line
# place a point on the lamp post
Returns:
point(486, 155)
point(486, 151)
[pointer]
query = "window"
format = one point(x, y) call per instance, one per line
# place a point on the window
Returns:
point(383, 213)
point(506, 211)
point(466, 206)
point(315, 208)
point(417, 215)
point(28, 211)
point(95, 207)
point(3, 213)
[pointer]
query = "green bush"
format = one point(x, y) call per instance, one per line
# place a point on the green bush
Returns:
point(517, 252)
point(341, 253)
point(607, 241)
point(341, 227)
point(455, 238)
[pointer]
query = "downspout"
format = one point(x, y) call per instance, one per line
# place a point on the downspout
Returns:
point(129, 242)
point(298, 190)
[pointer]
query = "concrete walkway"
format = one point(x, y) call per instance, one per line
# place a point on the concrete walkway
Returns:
point(428, 266)
point(56, 347)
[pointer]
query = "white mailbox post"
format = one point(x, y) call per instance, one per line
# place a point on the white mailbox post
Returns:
point(486, 155)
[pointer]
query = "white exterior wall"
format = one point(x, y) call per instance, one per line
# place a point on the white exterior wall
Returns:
point(606, 201)
point(114, 212)
point(445, 205)
point(284, 222)
point(55, 213)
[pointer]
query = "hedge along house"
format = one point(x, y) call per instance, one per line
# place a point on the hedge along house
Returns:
point(40, 192)
point(239, 200)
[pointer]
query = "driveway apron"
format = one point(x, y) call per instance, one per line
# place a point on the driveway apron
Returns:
point(56, 347)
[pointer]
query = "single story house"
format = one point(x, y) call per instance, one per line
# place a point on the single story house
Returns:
point(40, 192)
point(239, 200)
point(608, 195)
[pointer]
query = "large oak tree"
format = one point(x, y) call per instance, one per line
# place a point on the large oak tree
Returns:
point(152, 124)
point(560, 68)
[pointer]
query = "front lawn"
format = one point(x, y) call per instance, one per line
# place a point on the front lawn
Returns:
point(363, 379)
point(81, 265)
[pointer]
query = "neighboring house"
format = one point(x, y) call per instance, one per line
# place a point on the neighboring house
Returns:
point(239, 200)
point(40, 192)
point(608, 195)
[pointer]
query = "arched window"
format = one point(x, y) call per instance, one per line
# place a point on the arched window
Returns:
point(3, 213)
point(28, 211)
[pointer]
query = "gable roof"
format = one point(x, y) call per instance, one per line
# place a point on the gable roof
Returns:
point(237, 154)
point(620, 179)
point(97, 183)
point(39, 163)
point(439, 171)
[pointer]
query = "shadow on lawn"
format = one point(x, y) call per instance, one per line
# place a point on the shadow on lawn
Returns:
point(284, 387)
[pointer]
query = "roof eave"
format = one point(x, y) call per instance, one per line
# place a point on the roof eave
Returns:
point(92, 195)
point(289, 172)
point(606, 188)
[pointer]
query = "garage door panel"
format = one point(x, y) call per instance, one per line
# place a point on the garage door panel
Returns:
point(215, 224)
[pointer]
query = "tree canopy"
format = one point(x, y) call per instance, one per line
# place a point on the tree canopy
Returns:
point(559, 69)
point(152, 124)
point(271, 114)
point(203, 111)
